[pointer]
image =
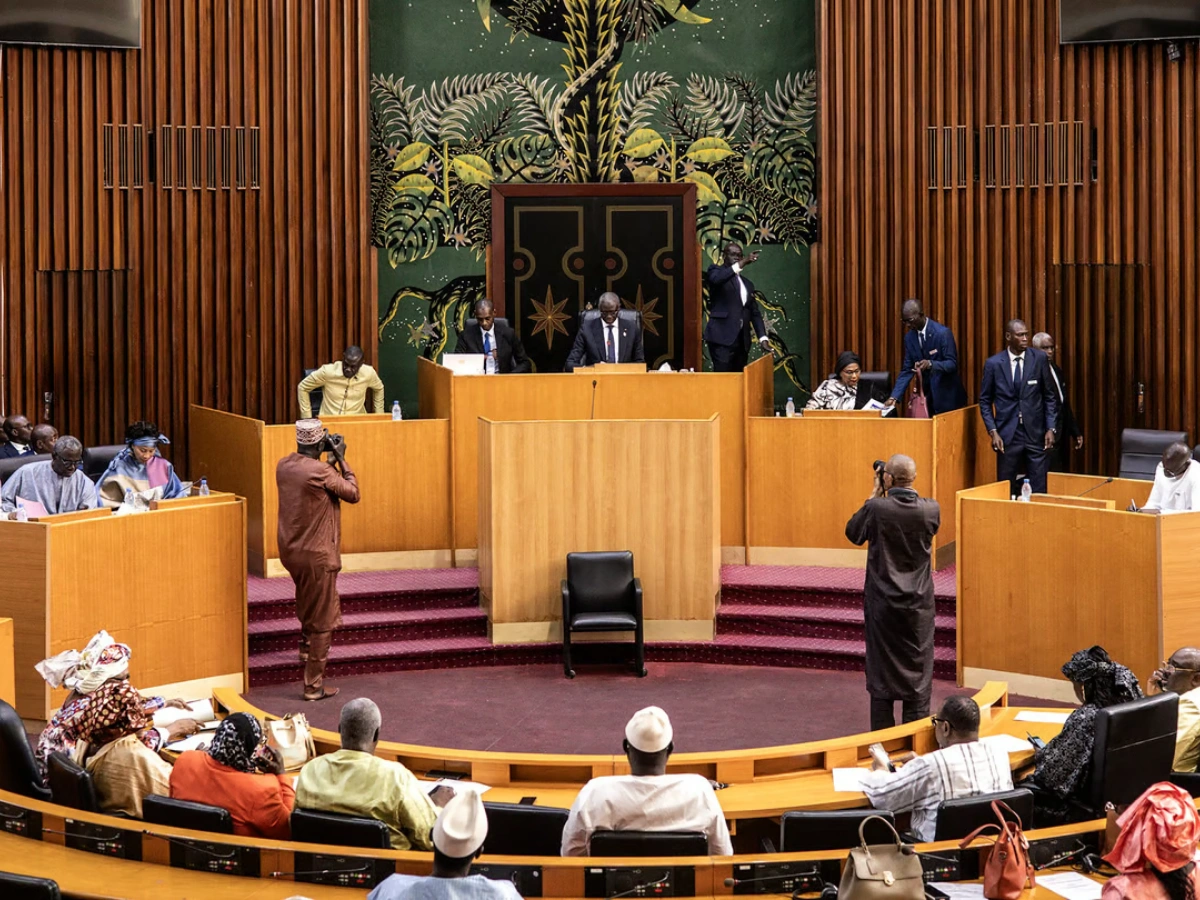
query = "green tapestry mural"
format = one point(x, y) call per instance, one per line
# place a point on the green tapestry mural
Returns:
point(468, 93)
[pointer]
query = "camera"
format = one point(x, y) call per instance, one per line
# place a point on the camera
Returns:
point(878, 465)
point(331, 441)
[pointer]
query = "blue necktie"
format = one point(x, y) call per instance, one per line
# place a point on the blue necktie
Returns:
point(612, 358)
point(487, 350)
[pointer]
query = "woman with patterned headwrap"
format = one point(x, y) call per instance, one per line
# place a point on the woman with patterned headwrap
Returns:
point(139, 467)
point(1062, 766)
point(1156, 851)
point(240, 773)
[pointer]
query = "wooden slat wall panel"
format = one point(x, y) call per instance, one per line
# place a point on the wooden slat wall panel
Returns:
point(890, 69)
point(185, 295)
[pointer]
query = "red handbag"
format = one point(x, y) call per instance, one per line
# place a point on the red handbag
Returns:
point(918, 406)
point(1008, 870)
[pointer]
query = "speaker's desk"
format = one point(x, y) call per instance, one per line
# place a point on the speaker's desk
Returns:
point(1039, 581)
point(171, 583)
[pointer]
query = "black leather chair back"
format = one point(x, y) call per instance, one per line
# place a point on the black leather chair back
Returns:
point(96, 459)
point(831, 829)
point(70, 784)
point(628, 316)
point(1189, 781)
point(18, 767)
point(958, 818)
point(186, 814)
point(26, 887)
point(1196, 453)
point(1142, 450)
point(647, 843)
point(314, 397)
point(518, 830)
point(8, 466)
point(501, 319)
point(1134, 748)
point(311, 826)
point(601, 581)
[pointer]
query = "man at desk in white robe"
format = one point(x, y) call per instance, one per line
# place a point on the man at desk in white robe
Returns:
point(57, 486)
point(1176, 483)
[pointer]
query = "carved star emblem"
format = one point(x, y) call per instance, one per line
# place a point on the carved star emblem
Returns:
point(549, 317)
point(646, 308)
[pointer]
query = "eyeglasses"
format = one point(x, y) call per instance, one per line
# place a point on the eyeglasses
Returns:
point(69, 465)
point(1169, 667)
point(936, 719)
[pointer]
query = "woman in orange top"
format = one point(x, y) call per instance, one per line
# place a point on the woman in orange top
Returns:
point(229, 775)
point(1156, 852)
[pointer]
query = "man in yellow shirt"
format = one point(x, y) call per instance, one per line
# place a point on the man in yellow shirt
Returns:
point(344, 387)
point(1181, 675)
point(355, 782)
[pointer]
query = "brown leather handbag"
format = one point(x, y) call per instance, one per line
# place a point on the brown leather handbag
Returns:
point(1008, 870)
point(882, 871)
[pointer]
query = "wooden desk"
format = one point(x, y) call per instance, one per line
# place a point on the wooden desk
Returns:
point(8, 686)
point(808, 475)
point(1039, 581)
point(171, 583)
point(547, 489)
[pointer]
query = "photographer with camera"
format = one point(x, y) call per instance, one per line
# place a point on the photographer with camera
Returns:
point(310, 538)
point(898, 525)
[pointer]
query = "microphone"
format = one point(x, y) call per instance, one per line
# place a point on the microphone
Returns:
point(815, 883)
point(1108, 480)
point(364, 869)
point(594, 401)
point(640, 887)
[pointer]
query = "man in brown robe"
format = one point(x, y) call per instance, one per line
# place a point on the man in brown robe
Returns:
point(899, 608)
point(310, 536)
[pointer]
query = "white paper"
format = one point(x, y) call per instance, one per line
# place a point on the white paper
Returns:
point(962, 890)
point(200, 710)
point(198, 741)
point(873, 404)
point(1029, 715)
point(1008, 743)
point(1071, 885)
point(456, 786)
point(849, 781)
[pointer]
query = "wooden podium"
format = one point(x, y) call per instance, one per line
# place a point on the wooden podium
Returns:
point(549, 488)
point(1039, 581)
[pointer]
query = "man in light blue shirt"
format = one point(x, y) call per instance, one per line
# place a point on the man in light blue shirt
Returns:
point(458, 839)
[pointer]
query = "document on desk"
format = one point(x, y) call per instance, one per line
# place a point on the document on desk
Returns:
point(198, 741)
point(1071, 885)
point(1008, 743)
point(456, 786)
point(200, 710)
point(849, 781)
point(1030, 715)
point(955, 890)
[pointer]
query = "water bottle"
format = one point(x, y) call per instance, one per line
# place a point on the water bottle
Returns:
point(204, 487)
point(129, 496)
point(22, 513)
point(1026, 491)
point(789, 409)
point(397, 415)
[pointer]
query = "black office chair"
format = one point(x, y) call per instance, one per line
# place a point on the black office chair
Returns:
point(96, 459)
point(647, 843)
point(834, 829)
point(1142, 450)
point(1196, 453)
point(186, 814)
point(628, 316)
point(310, 826)
point(601, 594)
point(70, 785)
point(18, 767)
point(1189, 781)
point(501, 319)
point(8, 466)
point(26, 887)
point(315, 398)
point(958, 818)
point(1134, 748)
point(515, 829)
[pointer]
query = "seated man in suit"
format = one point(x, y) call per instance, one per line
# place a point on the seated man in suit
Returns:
point(604, 339)
point(960, 767)
point(344, 387)
point(18, 434)
point(648, 799)
point(58, 485)
point(355, 782)
point(496, 340)
point(1019, 406)
point(1176, 483)
point(732, 310)
point(43, 438)
point(1181, 675)
point(929, 348)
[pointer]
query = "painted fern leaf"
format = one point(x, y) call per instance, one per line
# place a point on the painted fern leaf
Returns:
point(397, 108)
point(448, 109)
point(794, 104)
point(534, 101)
point(715, 103)
point(640, 98)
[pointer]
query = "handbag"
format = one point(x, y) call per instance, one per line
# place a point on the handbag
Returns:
point(918, 405)
point(1008, 870)
point(292, 737)
point(882, 871)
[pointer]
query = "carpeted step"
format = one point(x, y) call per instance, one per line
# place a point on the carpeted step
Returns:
point(744, 596)
point(275, 598)
point(833, 622)
point(828, 579)
point(374, 627)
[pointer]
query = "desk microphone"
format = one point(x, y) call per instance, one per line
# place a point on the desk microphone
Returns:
point(640, 887)
point(360, 871)
point(594, 402)
point(790, 876)
point(1108, 480)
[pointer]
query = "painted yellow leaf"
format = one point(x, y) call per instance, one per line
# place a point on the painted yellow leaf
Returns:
point(645, 173)
point(642, 143)
point(682, 13)
point(709, 150)
point(707, 189)
point(472, 169)
point(417, 181)
point(485, 13)
point(411, 157)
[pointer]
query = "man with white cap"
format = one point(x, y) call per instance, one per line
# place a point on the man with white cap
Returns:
point(648, 799)
point(310, 538)
point(458, 837)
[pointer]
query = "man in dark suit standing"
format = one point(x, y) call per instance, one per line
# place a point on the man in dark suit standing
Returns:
point(1068, 429)
point(1020, 408)
point(929, 348)
point(495, 340)
point(732, 310)
point(608, 338)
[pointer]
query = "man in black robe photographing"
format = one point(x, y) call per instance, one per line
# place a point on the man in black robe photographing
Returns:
point(898, 525)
